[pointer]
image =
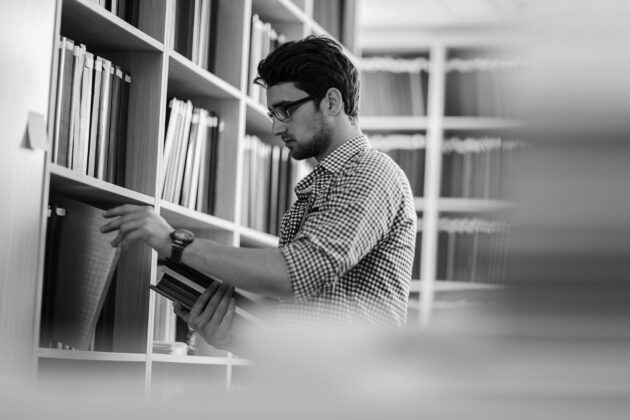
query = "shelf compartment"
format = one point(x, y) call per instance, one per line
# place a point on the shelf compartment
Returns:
point(92, 190)
point(186, 79)
point(99, 29)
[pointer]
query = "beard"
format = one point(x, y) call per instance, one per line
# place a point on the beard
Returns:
point(317, 145)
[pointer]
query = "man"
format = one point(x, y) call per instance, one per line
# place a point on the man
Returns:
point(346, 245)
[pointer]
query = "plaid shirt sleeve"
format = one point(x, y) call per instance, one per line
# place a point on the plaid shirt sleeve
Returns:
point(352, 210)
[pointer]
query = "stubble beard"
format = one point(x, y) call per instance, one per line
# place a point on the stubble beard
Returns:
point(317, 145)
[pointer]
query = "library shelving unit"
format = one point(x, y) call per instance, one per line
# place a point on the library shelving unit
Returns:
point(463, 109)
point(158, 73)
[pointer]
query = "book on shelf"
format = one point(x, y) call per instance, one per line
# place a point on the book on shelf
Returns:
point(195, 34)
point(91, 107)
point(263, 39)
point(80, 265)
point(190, 156)
point(183, 284)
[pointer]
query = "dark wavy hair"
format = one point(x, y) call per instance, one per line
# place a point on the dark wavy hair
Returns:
point(315, 64)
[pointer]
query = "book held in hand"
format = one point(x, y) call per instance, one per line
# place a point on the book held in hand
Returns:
point(183, 284)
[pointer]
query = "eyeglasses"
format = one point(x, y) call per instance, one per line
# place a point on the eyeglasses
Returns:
point(281, 112)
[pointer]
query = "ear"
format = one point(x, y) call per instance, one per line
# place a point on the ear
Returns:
point(333, 102)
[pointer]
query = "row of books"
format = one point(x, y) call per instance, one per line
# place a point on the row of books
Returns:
point(469, 250)
point(401, 93)
point(127, 10)
point(79, 272)
point(190, 156)
point(481, 88)
point(269, 177)
point(472, 167)
point(263, 40)
point(91, 112)
point(195, 34)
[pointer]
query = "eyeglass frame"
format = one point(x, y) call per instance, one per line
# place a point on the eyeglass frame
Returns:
point(285, 108)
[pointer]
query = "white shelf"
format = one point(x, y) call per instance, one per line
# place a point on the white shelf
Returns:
point(75, 184)
point(453, 286)
point(393, 123)
point(477, 123)
point(190, 219)
point(465, 205)
point(46, 353)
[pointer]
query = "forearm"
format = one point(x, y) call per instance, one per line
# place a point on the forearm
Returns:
point(261, 271)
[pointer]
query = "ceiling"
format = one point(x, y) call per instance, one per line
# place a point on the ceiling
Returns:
point(404, 25)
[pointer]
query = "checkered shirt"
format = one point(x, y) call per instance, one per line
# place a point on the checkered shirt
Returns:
point(349, 240)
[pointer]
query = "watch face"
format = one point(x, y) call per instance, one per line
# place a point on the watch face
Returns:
point(183, 235)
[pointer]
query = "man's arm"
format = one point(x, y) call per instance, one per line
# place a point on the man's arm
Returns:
point(261, 271)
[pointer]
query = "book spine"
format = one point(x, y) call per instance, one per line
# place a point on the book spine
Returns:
point(103, 121)
point(96, 99)
point(114, 119)
point(75, 106)
point(81, 155)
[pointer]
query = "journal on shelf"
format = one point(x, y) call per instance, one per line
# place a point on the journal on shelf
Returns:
point(80, 265)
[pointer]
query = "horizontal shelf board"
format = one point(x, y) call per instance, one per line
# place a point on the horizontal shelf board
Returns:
point(86, 188)
point(256, 119)
point(453, 286)
point(465, 205)
point(278, 10)
point(256, 239)
point(477, 123)
point(86, 22)
point(47, 353)
point(183, 217)
point(188, 80)
point(393, 123)
point(193, 360)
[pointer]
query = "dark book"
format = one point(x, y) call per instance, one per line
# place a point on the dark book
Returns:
point(86, 264)
point(184, 21)
point(114, 119)
point(81, 149)
point(212, 35)
point(96, 100)
point(183, 284)
point(214, 129)
point(102, 139)
point(55, 217)
point(121, 150)
point(62, 106)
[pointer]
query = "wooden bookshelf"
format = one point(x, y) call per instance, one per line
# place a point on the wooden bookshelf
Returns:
point(158, 73)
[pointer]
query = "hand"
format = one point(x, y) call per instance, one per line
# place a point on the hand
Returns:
point(212, 315)
point(139, 222)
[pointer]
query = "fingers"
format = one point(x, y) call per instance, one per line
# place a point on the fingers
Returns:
point(121, 210)
point(213, 313)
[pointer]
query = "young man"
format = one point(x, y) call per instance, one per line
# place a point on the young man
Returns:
point(346, 245)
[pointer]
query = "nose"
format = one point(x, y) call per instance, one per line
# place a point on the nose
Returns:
point(277, 127)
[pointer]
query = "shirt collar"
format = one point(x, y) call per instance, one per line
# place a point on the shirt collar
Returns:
point(333, 162)
point(338, 158)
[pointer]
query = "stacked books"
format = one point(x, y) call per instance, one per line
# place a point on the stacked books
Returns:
point(263, 40)
point(90, 129)
point(269, 177)
point(183, 284)
point(190, 156)
point(195, 35)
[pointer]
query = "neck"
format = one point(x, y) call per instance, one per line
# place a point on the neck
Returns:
point(340, 132)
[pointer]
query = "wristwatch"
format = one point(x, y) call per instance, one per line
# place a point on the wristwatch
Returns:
point(181, 239)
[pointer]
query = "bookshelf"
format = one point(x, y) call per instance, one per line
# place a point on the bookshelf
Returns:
point(454, 132)
point(158, 73)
